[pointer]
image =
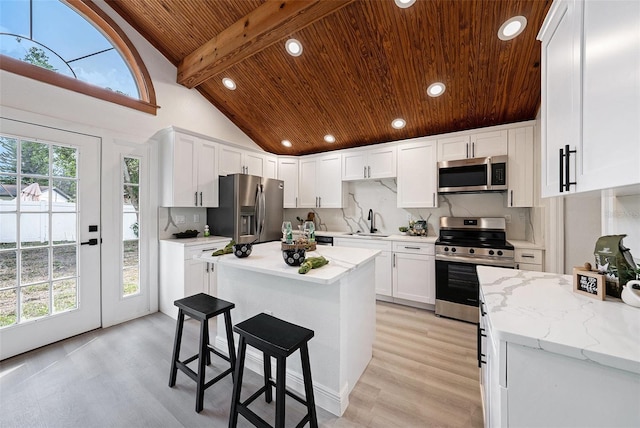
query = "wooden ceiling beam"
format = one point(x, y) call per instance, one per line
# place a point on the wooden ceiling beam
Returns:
point(264, 26)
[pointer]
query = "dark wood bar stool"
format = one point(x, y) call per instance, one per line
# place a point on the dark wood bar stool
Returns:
point(202, 307)
point(279, 339)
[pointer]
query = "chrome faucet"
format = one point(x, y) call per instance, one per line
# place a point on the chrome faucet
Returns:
point(371, 217)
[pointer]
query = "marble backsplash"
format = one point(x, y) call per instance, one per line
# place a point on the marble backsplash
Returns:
point(380, 196)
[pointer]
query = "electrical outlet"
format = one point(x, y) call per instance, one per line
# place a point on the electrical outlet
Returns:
point(196, 218)
point(180, 219)
point(508, 218)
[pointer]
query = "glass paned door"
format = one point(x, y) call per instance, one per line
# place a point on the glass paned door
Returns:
point(49, 195)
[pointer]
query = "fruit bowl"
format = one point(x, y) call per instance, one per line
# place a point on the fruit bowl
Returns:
point(242, 250)
point(294, 257)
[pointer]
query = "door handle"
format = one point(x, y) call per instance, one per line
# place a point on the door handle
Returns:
point(92, 241)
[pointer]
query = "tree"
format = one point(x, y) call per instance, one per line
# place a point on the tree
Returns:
point(37, 56)
point(131, 175)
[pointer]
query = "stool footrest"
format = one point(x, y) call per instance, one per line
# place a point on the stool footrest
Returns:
point(219, 354)
point(188, 360)
point(217, 378)
point(186, 370)
point(252, 417)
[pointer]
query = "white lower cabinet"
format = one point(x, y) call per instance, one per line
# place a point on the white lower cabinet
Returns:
point(414, 272)
point(523, 386)
point(383, 261)
point(181, 275)
point(529, 259)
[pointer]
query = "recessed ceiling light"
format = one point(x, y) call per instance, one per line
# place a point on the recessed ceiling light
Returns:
point(286, 143)
point(294, 47)
point(398, 123)
point(329, 138)
point(404, 3)
point(512, 27)
point(229, 84)
point(436, 89)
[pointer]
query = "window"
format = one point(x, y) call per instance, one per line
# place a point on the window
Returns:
point(130, 226)
point(76, 46)
point(38, 229)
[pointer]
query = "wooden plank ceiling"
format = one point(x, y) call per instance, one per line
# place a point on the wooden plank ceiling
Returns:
point(363, 65)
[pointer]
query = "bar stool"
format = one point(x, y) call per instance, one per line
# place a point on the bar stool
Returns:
point(279, 339)
point(201, 307)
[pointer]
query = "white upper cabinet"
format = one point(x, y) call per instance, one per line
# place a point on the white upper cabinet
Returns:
point(490, 143)
point(369, 164)
point(520, 167)
point(238, 161)
point(590, 96)
point(453, 148)
point(480, 145)
point(270, 167)
point(188, 171)
point(417, 174)
point(320, 182)
point(288, 172)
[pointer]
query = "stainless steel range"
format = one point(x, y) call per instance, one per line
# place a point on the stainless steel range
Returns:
point(464, 243)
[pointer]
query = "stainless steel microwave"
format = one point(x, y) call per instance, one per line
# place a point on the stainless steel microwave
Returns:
point(473, 175)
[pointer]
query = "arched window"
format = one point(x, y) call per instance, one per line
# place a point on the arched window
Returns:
point(75, 45)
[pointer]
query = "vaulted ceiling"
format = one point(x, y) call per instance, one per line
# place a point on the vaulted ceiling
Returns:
point(364, 63)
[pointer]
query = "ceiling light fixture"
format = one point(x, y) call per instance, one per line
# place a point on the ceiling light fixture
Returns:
point(404, 3)
point(229, 84)
point(436, 89)
point(398, 123)
point(286, 143)
point(512, 27)
point(294, 47)
point(329, 138)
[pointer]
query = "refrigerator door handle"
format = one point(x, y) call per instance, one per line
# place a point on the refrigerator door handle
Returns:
point(263, 209)
point(257, 211)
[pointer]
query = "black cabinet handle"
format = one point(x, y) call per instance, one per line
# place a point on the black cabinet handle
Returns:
point(565, 171)
point(200, 198)
point(195, 195)
point(561, 172)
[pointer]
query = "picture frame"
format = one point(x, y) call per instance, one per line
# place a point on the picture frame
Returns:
point(589, 283)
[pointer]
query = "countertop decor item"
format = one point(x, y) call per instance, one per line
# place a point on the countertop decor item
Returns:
point(242, 250)
point(588, 283)
point(630, 294)
point(190, 233)
point(294, 256)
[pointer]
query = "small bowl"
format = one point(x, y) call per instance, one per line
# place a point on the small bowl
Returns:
point(294, 257)
point(242, 250)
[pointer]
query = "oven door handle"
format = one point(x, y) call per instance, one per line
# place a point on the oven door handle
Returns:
point(475, 261)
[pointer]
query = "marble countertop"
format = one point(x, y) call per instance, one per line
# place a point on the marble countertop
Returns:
point(198, 240)
point(267, 258)
point(395, 237)
point(540, 310)
point(527, 245)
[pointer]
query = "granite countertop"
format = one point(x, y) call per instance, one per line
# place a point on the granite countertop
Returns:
point(540, 310)
point(267, 258)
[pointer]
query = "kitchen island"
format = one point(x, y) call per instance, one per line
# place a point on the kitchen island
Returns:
point(336, 301)
point(553, 357)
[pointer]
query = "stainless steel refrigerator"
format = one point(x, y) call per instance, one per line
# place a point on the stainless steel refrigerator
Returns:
point(250, 209)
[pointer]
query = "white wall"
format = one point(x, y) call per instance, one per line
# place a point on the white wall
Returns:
point(581, 229)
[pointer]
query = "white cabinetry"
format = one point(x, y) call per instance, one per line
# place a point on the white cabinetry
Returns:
point(237, 161)
point(383, 260)
point(529, 259)
point(181, 275)
point(515, 377)
point(417, 174)
point(520, 167)
point(188, 170)
point(590, 96)
point(288, 172)
point(482, 144)
point(414, 272)
point(270, 167)
point(369, 164)
point(320, 182)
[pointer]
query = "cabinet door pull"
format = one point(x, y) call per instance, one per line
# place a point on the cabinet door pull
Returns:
point(433, 203)
point(511, 198)
point(473, 150)
point(319, 201)
point(200, 198)
point(412, 248)
point(296, 202)
point(394, 259)
point(196, 199)
point(364, 172)
point(567, 171)
point(561, 172)
point(369, 171)
point(528, 256)
point(467, 155)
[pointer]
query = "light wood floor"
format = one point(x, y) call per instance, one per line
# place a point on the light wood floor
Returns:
point(423, 374)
